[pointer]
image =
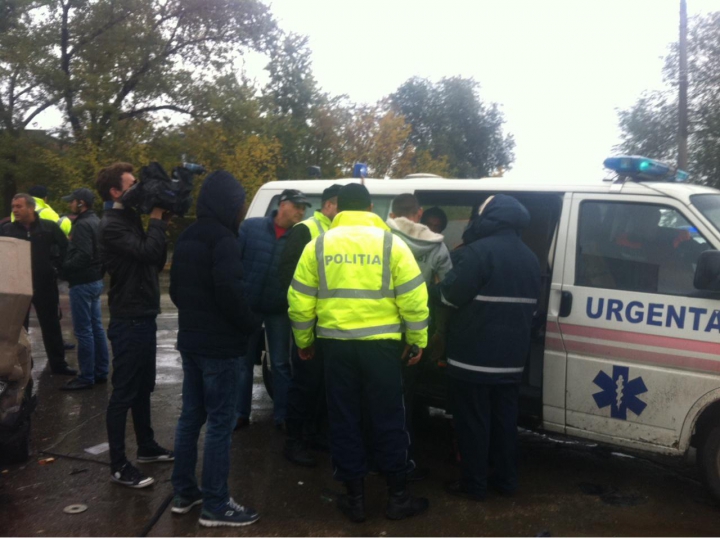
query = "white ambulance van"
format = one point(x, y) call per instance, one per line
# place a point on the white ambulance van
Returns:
point(627, 347)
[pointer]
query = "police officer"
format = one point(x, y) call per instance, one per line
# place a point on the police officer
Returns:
point(356, 288)
point(493, 287)
point(306, 395)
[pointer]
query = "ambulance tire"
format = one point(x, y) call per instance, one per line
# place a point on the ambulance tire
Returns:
point(708, 459)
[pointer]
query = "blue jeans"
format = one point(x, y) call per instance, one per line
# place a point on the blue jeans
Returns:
point(209, 394)
point(92, 350)
point(277, 327)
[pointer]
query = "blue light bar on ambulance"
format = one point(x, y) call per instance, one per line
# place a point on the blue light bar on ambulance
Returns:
point(642, 168)
point(360, 170)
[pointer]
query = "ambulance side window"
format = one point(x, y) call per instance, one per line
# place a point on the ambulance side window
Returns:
point(636, 247)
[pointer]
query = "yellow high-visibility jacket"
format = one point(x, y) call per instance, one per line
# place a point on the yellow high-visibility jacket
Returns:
point(317, 224)
point(358, 281)
point(46, 212)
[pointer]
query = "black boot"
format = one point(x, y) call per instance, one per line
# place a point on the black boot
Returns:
point(352, 504)
point(400, 503)
point(296, 451)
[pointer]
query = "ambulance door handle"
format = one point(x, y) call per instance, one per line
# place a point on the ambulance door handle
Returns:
point(566, 304)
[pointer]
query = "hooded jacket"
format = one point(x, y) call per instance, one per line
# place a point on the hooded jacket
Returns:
point(206, 277)
point(493, 289)
point(428, 248)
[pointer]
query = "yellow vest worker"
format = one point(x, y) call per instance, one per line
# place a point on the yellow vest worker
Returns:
point(358, 288)
point(317, 224)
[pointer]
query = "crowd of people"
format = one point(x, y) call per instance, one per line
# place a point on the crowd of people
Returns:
point(348, 303)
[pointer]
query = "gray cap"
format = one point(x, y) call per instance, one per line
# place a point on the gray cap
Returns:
point(82, 194)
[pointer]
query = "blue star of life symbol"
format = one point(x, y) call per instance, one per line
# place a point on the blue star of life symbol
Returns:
point(619, 393)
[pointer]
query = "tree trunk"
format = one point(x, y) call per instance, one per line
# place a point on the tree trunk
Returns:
point(9, 185)
point(683, 92)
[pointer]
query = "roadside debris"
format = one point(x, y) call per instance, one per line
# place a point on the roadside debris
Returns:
point(75, 508)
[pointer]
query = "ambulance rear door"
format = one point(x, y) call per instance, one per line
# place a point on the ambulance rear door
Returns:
point(643, 344)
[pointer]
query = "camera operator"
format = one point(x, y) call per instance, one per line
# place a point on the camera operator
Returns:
point(133, 258)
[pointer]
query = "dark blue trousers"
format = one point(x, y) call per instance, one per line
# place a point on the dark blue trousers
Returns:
point(486, 428)
point(306, 395)
point(365, 375)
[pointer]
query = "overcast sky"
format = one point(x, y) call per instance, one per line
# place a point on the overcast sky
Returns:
point(558, 68)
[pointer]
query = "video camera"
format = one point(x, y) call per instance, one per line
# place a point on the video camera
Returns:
point(157, 189)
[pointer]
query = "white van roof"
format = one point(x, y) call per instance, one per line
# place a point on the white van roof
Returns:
point(680, 191)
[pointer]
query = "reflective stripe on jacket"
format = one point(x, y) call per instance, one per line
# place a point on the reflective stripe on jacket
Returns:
point(317, 224)
point(358, 281)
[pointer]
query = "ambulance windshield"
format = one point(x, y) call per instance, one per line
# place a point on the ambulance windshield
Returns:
point(709, 205)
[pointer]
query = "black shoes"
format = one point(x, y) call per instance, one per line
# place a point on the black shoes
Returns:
point(129, 476)
point(296, 452)
point(155, 453)
point(456, 489)
point(100, 380)
point(232, 515)
point(352, 504)
point(401, 504)
point(76, 384)
point(69, 347)
point(65, 370)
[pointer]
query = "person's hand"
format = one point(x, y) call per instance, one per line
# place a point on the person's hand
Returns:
point(411, 361)
point(157, 213)
point(307, 353)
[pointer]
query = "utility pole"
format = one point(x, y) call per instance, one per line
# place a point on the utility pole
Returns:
point(683, 87)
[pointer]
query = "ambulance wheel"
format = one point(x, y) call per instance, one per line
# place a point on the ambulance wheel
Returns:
point(708, 458)
point(267, 376)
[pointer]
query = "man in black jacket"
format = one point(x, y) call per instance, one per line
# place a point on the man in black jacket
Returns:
point(215, 320)
point(306, 395)
point(48, 245)
point(493, 287)
point(133, 258)
point(83, 271)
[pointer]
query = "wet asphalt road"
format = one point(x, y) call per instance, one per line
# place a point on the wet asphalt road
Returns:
point(566, 488)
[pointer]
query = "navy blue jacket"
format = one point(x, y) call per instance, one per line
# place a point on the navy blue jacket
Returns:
point(493, 287)
point(261, 253)
point(206, 278)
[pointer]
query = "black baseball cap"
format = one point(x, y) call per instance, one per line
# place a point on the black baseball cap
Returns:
point(294, 196)
point(38, 191)
point(82, 194)
point(331, 192)
point(354, 197)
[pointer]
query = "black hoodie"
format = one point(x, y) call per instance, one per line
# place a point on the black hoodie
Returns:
point(206, 278)
point(493, 287)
